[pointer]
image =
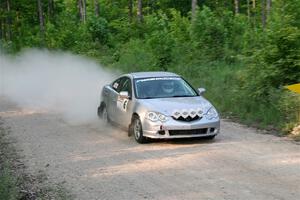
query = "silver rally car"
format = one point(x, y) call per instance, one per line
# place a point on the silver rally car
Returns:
point(158, 105)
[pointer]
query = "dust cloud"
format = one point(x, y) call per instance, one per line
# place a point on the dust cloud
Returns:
point(54, 81)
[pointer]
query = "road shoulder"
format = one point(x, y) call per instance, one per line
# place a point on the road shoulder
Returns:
point(15, 180)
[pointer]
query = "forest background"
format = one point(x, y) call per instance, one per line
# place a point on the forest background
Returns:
point(244, 52)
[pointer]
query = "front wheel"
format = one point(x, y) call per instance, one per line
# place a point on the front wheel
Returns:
point(138, 131)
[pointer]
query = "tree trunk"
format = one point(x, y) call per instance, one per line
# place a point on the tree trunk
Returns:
point(97, 8)
point(140, 11)
point(130, 8)
point(1, 29)
point(41, 19)
point(82, 10)
point(268, 8)
point(254, 12)
point(194, 6)
point(50, 9)
point(8, 21)
point(248, 10)
point(236, 7)
point(263, 14)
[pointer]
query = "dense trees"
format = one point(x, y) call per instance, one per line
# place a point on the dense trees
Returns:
point(245, 51)
point(43, 11)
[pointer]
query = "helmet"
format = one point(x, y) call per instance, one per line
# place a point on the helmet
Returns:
point(168, 87)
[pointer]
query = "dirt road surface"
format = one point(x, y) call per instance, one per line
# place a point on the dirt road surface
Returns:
point(97, 162)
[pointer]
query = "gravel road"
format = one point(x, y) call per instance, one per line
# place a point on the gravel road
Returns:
point(97, 162)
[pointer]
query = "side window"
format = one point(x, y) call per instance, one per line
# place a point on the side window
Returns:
point(117, 84)
point(126, 86)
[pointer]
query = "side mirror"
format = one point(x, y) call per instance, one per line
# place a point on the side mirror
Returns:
point(201, 91)
point(124, 95)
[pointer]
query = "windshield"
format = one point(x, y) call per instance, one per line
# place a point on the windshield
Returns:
point(163, 87)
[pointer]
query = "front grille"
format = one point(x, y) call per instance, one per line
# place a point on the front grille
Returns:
point(188, 119)
point(188, 132)
point(161, 132)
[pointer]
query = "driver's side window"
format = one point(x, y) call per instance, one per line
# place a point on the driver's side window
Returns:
point(117, 85)
point(126, 86)
point(122, 84)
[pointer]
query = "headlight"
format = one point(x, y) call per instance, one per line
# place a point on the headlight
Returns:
point(211, 113)
point(155, 116)
point(162, 117)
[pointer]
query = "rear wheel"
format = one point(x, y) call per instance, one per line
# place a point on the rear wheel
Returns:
point(102, 113)
point(105, 117)
point(138, 130)
point(99, 112)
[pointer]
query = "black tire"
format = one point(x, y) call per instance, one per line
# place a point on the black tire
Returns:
point(138, 130)
point(99, 112)
point(100, 109)
point(130, 130)
point(102, 113)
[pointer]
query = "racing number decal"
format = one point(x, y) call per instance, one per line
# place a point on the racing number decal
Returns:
point(125, 103)
point(122, 104)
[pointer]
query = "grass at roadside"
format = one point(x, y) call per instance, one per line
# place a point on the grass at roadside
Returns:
point(15, 183)
point(224, 90)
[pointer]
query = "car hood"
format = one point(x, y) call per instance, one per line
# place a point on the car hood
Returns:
point(167, 106)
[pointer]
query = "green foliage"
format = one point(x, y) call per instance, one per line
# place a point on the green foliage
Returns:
point(179, 28)
point(183, 6)
point(134, 56)
point(159, 41)
point(111, 10)
point(278, 62)
point(208, 34)
point(98, 28)
point(235, 28)
point(121, 31)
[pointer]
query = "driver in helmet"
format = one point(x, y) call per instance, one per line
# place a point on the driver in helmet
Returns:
point(168, 87)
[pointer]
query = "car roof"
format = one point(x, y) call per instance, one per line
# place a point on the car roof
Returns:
point(152, 74)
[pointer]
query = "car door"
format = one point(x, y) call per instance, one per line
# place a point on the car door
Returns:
point(113, 98)
point(124, 106)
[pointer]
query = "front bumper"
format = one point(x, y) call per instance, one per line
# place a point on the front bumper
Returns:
point(181, 129)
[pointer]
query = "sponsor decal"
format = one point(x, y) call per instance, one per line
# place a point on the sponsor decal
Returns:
point(187, 113)
point(159, 78)
point(115, 85)
point(176, 114)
